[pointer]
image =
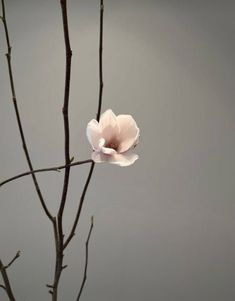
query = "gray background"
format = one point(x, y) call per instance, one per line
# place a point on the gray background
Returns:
point(164, 227)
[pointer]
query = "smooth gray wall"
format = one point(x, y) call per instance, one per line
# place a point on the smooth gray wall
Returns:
point(164, 227)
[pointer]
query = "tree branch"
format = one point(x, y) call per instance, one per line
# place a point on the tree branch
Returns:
point(58, 221)
point(65, 110)
point(86, 261)
point(8, 56)
point(56, 168)
point(14, 258)
point(100, 60)
point(3, 271)
point(3, 287)
point(25, 148)
point(60, 236)
point(72, 233)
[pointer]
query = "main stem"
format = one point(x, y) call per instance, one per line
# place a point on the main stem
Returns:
point(101, 85)
point(72, 232)
point(59, 235)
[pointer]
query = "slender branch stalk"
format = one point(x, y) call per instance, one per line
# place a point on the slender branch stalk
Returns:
point(100, 60)
point(101, 84)
point(57, 221)
point(7, 285)
point(72, 232)
point(56, 169)
point(60, 235)
point(86, 260)
point(65, 108)
point(3, 287)
point(13, 259)
point(25, 148)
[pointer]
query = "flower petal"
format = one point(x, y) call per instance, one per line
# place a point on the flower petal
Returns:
point(101, 144)
point(117, 159)
point(93, 133)
point(108, 151)
point(99, 157)
point(129, 132)
point(109, 126)
point(125, 159)
point(105, 150)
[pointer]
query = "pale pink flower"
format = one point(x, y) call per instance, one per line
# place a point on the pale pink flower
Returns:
point(113, 138)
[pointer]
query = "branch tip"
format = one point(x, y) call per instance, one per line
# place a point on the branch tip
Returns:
point(11, 262)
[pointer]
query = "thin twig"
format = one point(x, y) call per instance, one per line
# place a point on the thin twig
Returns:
point(13, 259)
point(100, 60)
point(3, 271)
point(86, 261)
point(56, 168)
point(72, 232)
point(25, 148)
point(2, 286)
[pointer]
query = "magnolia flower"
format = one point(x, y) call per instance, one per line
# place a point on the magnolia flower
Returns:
point(113, 138)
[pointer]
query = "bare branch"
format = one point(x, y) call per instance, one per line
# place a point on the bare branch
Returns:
point(7, 286)
point(3, 271)
point(14, 258)
point(100, 60)
point(72, 232)
point(57, 221)
point(2, 286)
point(59, 238)
point(56, 168)
point(25, 148)
point(65, 111)
point(86, 261)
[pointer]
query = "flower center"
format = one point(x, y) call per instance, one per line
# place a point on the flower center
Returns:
point(113, 144)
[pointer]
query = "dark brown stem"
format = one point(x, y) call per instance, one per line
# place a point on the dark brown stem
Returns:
point(65, 108)
point(56, 168)
point(100, 60)
point(47, 212)
point(72, 232)
point(60, 236)
point(13, 259)
point(7, 285)
point(8, 56)
point(2, 286)
point(86, 260)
